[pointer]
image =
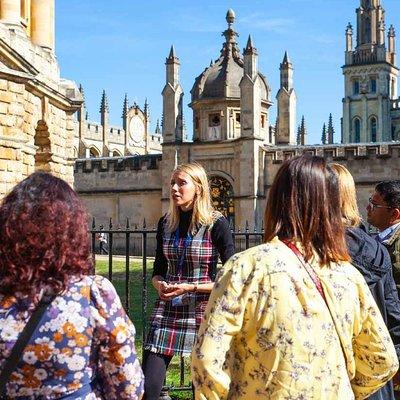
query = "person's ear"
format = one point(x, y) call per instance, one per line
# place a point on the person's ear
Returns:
point(396, 214)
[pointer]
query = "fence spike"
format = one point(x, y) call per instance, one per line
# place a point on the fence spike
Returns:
point(144, 223)
point(262, 226)
point(93, 223)
point(111, 224)
point(247, 225)
point(127, 223)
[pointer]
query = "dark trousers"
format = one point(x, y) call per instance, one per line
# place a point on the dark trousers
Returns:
point(103, 248)
point(154, 369)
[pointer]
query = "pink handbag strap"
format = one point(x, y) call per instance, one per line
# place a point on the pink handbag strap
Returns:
point(317, 282)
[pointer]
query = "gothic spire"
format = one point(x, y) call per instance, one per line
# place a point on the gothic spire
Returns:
point(104, 103)
point(249, 45)
point(172, 52)
point(286, 69)
point(125, 106)
point(303, 131)
point(146, 108)
point(331, 130)
point(286, 59)
point(82, 92)
point(82, 110)
point(323, 136)
point(158, 130)
point(298, 137)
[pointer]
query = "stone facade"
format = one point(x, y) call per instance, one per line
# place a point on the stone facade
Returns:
point(234, 140)
point(37, 122)
point(100, 139)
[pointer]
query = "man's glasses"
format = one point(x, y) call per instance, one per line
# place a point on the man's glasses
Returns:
point(374, 205)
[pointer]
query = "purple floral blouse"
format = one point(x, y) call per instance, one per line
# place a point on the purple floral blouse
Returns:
point(83, 346)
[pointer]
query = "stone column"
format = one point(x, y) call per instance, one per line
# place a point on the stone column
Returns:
point(42, 25)
point(380, 128)
point(346, 120)
point(364, 122)
point(10, 11)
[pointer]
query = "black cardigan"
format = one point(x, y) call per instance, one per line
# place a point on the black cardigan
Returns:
point(221, 237)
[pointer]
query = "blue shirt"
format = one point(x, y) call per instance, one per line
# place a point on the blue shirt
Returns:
point(386, 233)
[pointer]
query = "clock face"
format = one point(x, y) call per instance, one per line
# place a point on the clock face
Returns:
point(136, 129)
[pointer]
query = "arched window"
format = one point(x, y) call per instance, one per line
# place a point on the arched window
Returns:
point(43, 146)
point(356, 87)
point(94, 152)
point(373, 129)
point(357, 130)
point(116, 153)
point(222, 197)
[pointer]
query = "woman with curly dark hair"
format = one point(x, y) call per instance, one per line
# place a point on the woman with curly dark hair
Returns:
point(83, 344)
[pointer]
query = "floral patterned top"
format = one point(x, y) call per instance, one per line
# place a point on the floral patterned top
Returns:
point(268, 334)
point(83, 346)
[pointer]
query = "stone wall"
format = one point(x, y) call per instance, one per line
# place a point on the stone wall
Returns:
point(121, 188)
point(368, 163)
point(37, 124)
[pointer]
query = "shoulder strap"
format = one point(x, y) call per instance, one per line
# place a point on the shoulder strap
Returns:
point(21, 343)
point(317, 282)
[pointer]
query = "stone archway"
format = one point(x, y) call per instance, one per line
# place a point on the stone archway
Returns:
point(43, 147)
point(222, 197)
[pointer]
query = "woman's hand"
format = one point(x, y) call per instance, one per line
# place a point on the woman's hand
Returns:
point(168, 291)
point(177, 289)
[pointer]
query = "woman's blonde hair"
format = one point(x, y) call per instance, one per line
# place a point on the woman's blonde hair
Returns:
point(203, 211)
point(348, 198)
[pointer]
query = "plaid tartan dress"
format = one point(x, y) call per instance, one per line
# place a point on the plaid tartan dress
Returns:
point(173, 328)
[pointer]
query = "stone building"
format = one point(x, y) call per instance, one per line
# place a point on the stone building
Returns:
point(371, 107)
point(100, 139)
point(234, 139)
point(37, 106)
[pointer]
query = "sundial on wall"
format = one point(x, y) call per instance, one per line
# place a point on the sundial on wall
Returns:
point(137, 131)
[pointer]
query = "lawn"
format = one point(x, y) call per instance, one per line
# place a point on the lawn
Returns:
point(135, 313)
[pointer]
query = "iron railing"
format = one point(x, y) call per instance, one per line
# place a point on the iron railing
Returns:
point(123, 242)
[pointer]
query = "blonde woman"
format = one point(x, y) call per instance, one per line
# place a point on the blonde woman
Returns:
point(190, 237)
point(373, 261)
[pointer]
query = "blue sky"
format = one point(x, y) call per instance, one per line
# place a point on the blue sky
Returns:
point(121, 46)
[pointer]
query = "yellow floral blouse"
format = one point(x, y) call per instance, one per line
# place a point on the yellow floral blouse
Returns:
point(268, 334)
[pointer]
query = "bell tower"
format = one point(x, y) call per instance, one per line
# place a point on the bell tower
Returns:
point(370, 75)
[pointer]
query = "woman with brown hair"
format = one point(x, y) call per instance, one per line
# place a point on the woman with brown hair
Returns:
point(292, 318)
point(372, 259)
point(63, 331)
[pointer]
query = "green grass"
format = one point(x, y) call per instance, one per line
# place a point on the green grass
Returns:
point(135, 312)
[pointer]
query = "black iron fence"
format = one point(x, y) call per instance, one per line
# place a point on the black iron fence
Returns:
point(127, 243)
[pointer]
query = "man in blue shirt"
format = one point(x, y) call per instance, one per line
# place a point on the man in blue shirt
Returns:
point(383, 212)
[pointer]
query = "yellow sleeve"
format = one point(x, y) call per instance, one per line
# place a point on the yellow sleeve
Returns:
point(223, 320)
point(374, 353)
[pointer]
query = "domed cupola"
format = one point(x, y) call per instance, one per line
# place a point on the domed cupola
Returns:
point(216, 93)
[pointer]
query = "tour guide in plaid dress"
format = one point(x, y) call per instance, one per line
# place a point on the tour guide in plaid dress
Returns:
point(184, 271)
